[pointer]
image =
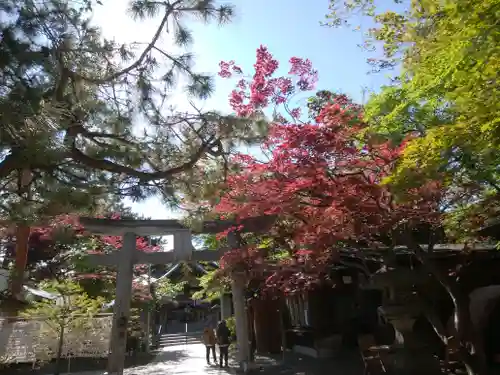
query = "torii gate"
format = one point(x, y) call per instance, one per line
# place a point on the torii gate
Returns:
point(183, 250)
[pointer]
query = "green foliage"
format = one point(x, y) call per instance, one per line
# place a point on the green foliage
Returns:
point(69, 106)
point(135, 327)
point(231, 325)
point(217, 280)
point(341, 10)
point(73, 309)
point(451, 69)
point(278, 256)
point(70, 314)
point(165, 288)
point(211, 285)
point(211, 242)
point(465, 220)
point(444, 96)
point(213, 281)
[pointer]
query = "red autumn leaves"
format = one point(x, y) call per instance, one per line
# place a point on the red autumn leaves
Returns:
point(264, 89)
point(64, 232)
point(324, 177)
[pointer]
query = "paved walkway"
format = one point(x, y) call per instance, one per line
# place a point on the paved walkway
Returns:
point(190, 360)
point(176, 360)
point(173, 360)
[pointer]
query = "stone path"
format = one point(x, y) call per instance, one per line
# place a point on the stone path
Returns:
point(190, 360)
point(173, 360)
point(176, 360)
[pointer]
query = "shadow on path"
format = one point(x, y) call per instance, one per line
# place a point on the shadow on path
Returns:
point(347, 363)
point(94, 365)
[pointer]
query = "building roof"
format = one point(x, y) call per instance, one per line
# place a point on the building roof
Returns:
point(40, 293)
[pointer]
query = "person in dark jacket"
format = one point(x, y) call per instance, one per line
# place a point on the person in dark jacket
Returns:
point(223, 335)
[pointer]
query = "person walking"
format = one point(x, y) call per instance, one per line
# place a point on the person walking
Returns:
point(209, 340)
point(223, 335)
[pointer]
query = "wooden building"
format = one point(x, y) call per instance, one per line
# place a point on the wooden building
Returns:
point(182, 308)
point(378, 296)
point(412, 298)
point(318, 321)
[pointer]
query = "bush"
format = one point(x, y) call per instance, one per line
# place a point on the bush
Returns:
point(231, 325)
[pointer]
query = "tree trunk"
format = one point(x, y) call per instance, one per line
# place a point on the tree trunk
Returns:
point(470, 350)
point(469, 361)
point(57, 369)
point(284, 344)
point(22, 238)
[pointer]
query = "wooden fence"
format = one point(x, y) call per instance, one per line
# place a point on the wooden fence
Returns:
point(32, 340)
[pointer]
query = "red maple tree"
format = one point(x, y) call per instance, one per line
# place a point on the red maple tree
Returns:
point(53, 242)
point(263, 89)
point(323, 178)
point(324, 181)
point(140, 290)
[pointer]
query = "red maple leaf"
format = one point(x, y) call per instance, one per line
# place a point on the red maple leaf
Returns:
point(323, 178)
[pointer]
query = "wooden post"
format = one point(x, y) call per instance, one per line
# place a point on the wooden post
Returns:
point(121, 310)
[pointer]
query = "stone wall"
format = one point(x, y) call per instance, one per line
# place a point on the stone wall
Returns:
point(23, 340)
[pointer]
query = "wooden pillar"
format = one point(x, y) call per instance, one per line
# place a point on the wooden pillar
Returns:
point(121, 312)
point(267, 325)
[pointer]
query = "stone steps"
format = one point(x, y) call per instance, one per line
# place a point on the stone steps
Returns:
point(174, 339)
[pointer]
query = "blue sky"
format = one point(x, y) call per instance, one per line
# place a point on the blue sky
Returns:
point(287, 27)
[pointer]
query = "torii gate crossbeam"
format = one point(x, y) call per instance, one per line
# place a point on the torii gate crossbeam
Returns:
point(183, 250)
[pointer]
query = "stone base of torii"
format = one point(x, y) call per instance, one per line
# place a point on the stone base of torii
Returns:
point(125, 259)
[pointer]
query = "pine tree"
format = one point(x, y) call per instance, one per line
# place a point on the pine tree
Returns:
point(71, 98)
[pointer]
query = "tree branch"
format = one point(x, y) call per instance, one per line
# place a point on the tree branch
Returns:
point(109, 166)
point(142, 57)
point(469, 348)
point(8, 165)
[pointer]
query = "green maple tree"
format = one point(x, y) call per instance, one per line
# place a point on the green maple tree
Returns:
point(443, 98)
point(72, 310)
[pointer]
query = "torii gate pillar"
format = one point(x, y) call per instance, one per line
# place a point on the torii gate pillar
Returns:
point(238, 288)
point(125, 260)
point(121, 308)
